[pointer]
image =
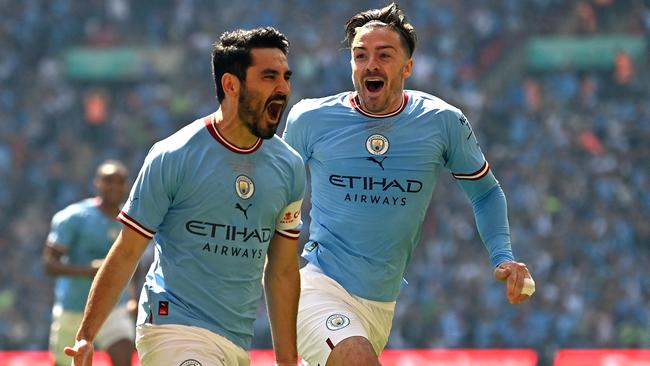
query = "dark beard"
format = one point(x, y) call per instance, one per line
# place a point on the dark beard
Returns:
point(251, 118)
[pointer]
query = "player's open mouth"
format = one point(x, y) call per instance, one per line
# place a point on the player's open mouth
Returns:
point(374, 85)
point(274, 110)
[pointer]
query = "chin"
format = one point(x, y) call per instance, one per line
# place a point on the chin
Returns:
point(375, 106)
point(266, 134)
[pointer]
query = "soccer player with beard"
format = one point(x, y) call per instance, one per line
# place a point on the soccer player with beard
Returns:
point(219, 198)
point(374, 155)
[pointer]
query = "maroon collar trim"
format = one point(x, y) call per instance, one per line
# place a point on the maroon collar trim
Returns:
point(356, 104)
point(211, 124)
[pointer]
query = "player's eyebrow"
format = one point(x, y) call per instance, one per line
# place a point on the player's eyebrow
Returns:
point(270, 72)
point(382, 47)
point(274, 72)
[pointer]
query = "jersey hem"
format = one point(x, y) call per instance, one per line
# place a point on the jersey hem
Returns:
point(475, 175)
point(289, 234)
point(133, 224)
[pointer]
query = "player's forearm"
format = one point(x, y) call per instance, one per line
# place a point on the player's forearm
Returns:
point(282, 292)
point(54, 265)
point(60, 269)
point(108, 284)
point(491, 214)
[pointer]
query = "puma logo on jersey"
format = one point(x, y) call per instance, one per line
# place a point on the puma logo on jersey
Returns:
point(244, 210)
point(379, 162)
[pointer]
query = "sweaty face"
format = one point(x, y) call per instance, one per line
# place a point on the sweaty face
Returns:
point(379, 67)
point(264, 95)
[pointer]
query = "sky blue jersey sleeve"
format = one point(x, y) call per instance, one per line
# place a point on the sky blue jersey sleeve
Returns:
point(491, 215)
point(295, 131)
point(299, 181)
point(472, 172)
point(151, 194)
point(289, 223)
point(62, 229)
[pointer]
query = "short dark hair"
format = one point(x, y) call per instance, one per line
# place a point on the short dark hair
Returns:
point(391, 16)
point(232, 52)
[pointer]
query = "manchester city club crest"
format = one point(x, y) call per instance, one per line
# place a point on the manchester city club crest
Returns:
point(337, 321)
point(377, 144)
point(244, 187)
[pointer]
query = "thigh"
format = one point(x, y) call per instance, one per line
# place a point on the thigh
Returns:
point(62, 333)
point(119, 325)
point(353, 351)
point(378, 319)
point(325, 318)
point(175, 345)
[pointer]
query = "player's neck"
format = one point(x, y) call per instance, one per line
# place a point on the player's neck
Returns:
point(233, 130)
point(395, 104)
point(109, 209)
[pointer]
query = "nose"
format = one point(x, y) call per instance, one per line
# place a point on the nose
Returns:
point(284, 87)
point(371, 65)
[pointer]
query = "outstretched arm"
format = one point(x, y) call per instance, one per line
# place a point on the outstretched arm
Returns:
point(105, 291)
point(472, 172)
point(492, 222)
point(282, 288)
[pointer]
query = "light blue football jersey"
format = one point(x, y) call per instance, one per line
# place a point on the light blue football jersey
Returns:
point(212, 209)
point(87, 234)
point(372, 178)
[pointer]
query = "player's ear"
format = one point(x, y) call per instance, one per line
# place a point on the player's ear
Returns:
point(230, 84)
point(408, 68)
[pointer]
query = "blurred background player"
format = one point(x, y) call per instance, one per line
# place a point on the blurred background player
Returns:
point(218, 198)
point(80, 237)
point(374, 156)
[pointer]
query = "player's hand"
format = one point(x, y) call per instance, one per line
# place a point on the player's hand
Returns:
point(96, 263)
point(519, 283)
point(132, 308)
point(81, 353)
point(94, 267)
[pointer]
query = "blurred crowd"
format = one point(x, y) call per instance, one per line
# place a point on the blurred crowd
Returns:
point(570, 148)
